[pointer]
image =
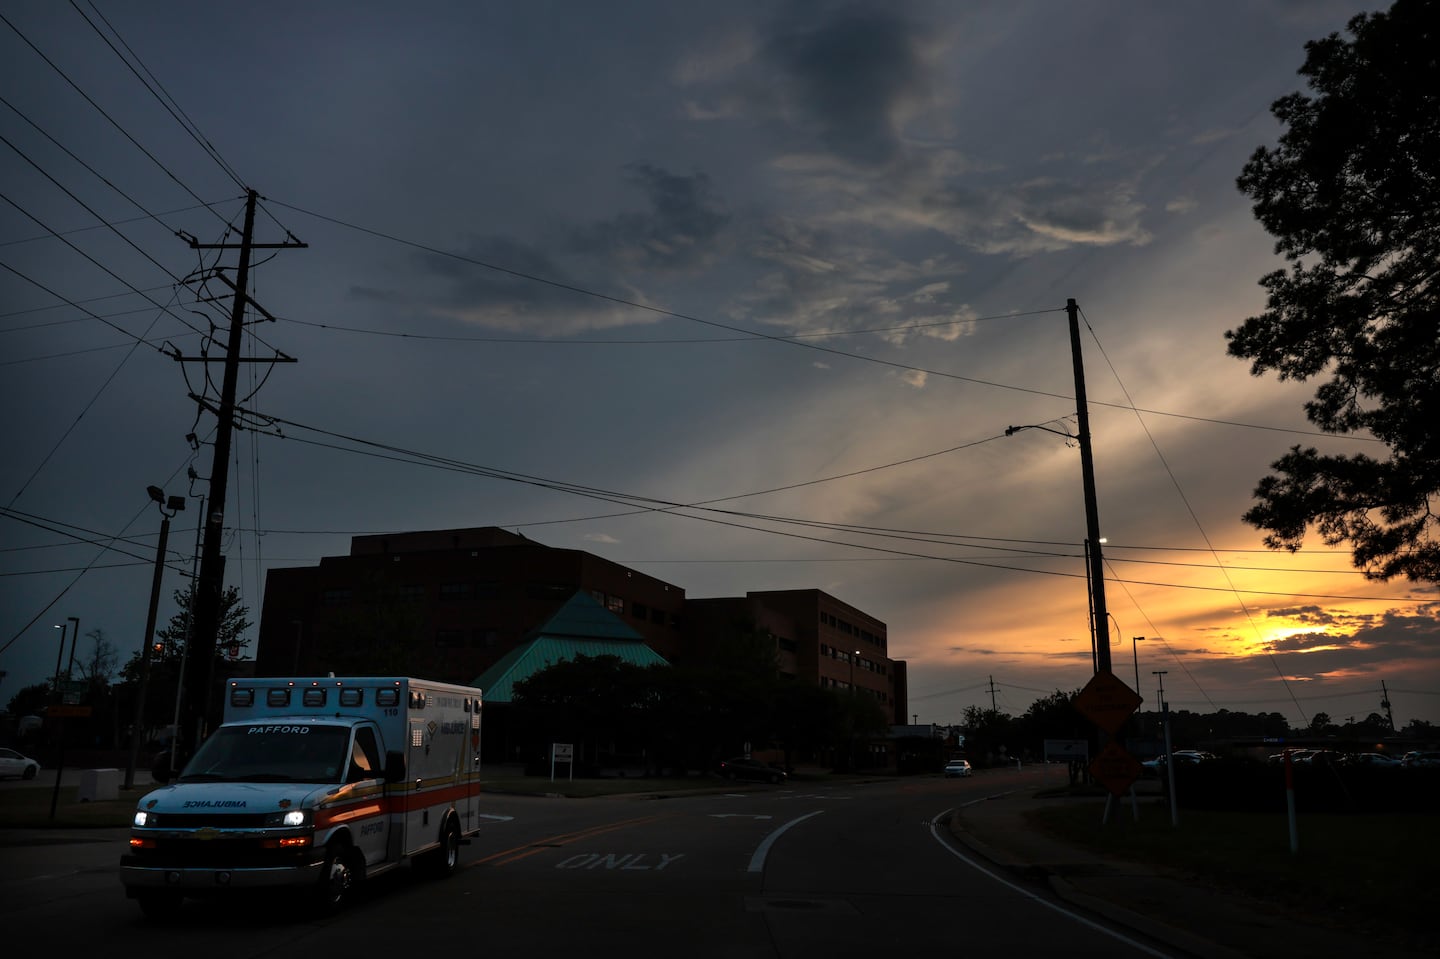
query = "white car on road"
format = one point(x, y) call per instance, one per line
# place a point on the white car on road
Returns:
point(14, 764)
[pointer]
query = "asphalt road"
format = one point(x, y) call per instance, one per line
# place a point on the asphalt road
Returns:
point(857, 870)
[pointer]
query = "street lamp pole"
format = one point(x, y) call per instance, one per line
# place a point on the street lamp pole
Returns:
point(59, 658)
point(1169, 758)
point(174, 505)
point(74, 638)
point(1135, 651)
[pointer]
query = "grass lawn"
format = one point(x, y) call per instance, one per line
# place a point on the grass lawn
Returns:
point(1359, 870)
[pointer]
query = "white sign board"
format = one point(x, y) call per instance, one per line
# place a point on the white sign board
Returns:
point(1067, 750)
point(562, 753)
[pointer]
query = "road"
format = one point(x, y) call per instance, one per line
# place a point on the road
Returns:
point(783, 872)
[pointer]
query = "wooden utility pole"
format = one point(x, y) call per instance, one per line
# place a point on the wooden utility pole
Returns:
point(196, 707)
point(1101, 617)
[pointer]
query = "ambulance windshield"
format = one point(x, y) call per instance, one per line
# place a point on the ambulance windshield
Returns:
point(271, 752)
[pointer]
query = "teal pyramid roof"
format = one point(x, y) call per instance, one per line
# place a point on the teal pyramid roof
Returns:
point(582, 627)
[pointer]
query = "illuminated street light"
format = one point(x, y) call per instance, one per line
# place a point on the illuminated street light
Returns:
point(169, 506)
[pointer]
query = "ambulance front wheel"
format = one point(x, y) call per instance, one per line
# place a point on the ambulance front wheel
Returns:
point(337, 878)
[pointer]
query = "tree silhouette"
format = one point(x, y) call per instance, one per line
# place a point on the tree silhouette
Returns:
point(1352, 196)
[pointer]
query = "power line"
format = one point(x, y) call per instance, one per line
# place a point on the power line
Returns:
point(652, 504)
point(789, 340)
point(1194, 518)
point(167, 101)
point(76, 87)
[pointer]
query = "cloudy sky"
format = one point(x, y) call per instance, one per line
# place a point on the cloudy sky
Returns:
point(742, 294)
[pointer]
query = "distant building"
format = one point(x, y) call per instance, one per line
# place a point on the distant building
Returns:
point(451, 604)
point(444, 604)
point(818, 639)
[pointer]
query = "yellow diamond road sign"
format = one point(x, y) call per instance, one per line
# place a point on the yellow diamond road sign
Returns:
point(1107, 702)
point(1115, 769)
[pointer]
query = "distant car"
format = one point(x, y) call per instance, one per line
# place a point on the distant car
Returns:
point(1370, 759)
point(957, 767)
point(1182, 757)
point(14, 764)
point(751, 770)
point(1416, 760)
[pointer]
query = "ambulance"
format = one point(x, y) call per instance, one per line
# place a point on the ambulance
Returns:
point(312, 784)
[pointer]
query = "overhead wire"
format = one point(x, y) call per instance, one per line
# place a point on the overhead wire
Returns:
point(113, 122)
point(167, 101)
point(653, 504)
point(778, 338)
point(1194, 518)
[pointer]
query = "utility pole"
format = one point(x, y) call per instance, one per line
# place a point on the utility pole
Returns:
point(993, 708)
point(1101, 617)
point(1385, 704)
point(1169, 757)
point(208, 589)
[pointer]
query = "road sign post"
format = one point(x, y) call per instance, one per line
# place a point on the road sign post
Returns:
point(562, 753)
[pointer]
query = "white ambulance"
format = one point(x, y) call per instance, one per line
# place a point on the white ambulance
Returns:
point(312, 783)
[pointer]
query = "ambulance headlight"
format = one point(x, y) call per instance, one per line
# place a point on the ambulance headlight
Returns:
point(289, 818)
point(143, 818)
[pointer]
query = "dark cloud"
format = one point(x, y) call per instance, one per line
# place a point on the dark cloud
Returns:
point(1303, 641)
point(1310, 615)
point(504, 298)
point(679, 230)
point(849, 79)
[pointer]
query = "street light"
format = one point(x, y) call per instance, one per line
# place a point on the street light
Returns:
point(169, 506)
point(1135, 652)
point(59, 656)
point(1094, 562)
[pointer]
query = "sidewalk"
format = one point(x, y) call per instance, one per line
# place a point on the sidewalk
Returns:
point(1192, 916)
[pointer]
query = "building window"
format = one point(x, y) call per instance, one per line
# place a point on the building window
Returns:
point(615, 604)
point(335, 597)
point(456, 592)
point(449, 638)
point(639, 610)
point(410, 594)
point(657, 615)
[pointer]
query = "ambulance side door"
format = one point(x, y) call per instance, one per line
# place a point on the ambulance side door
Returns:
point(366, 776)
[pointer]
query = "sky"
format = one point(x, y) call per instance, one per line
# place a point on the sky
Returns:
point(741, 295)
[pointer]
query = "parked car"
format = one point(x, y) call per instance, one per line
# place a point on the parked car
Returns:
point(1370, 759)
point(16, 764)
point(957, 767)
point(751, 770)
point(1182, 757)
point(1418, 759)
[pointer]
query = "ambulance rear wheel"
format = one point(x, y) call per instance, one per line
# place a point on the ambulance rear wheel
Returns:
point(336, 878)
point(442, 863)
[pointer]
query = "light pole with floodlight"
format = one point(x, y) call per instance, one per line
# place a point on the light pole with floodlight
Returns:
point(173, 505)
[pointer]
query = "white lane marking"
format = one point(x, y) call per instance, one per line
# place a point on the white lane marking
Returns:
point(1032, 896)
point(757, 861)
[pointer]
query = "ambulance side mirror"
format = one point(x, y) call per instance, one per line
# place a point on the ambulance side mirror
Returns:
point(394, 766)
